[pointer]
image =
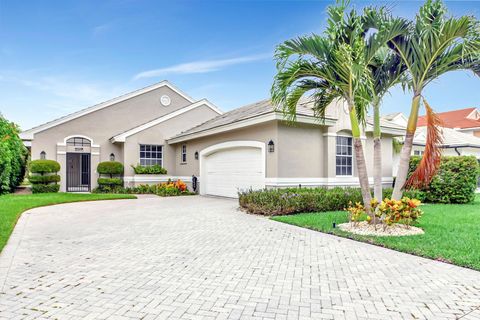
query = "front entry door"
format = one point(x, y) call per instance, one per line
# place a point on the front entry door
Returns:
point(78, 172)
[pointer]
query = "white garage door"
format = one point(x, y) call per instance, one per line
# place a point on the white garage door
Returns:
point(229, 170)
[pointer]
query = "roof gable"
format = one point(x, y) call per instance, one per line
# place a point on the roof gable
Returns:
point(28, 134)
point(124, 135)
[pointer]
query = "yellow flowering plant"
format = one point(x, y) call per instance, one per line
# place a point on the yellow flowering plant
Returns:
point(389, 211)
point(355, 212)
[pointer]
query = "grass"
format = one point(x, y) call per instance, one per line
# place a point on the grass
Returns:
point(452, 232)
point(12, 206)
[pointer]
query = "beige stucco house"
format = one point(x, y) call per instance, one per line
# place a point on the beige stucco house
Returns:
point(249, 147)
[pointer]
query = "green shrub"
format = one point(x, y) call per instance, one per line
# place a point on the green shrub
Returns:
point(13, 156)
point(110, 168)
point(455, 181)
point(110, 181)
point(168, 189)
point(37, 179)
point(45, 188)
point(43, 181)
point(111, 189)
point(44, 166)
point(295, 200)
point(155, 169)
point(412, 194)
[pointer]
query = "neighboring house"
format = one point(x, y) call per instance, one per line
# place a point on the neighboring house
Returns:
point(455, 143)
point(397, 118)
point(463, 120)
point(248, 147)
point(460, 132)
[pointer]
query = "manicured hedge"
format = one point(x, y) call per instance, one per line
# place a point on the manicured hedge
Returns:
point(168, 189)
point(110, 181)
point(42, 179)
point(455, 181)
point(110, 167)
point(274, 202)
point(44, 166)
point(45, 188)
point(35, 179)
point(110, 184)
point(13, 156)
point(155, 169)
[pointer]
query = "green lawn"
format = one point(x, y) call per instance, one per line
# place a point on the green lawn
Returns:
point(12, 206)
point(452, 232)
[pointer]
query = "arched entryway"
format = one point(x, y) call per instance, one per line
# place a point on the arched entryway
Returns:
point(78, 163)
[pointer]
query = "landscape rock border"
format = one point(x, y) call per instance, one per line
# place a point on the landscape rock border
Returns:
point(366, 229)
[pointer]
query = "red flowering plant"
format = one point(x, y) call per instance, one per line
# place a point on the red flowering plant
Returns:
point(171, 188)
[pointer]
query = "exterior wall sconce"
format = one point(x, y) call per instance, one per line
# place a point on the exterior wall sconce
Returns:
point(196, 155)
point(271, 146)
point(112, 157)
point(43, 155)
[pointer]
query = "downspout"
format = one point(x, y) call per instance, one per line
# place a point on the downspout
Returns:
point(456, 150)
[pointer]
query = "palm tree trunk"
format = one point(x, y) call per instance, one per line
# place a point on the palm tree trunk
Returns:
point(377, 152)
point(406, 149)
point(360, 160)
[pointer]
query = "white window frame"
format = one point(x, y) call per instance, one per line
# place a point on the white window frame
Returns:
point(143, 160)
point(341, 155)
point(183, 154)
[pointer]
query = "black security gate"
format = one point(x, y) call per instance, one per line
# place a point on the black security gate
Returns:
point(78, 172)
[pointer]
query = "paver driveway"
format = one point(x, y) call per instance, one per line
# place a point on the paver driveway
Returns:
point(200, 258)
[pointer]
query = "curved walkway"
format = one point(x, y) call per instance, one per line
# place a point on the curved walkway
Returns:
point(200, 258)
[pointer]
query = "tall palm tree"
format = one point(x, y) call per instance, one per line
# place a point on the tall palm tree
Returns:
point(387, 70)
point(435, 44)
point(333, 66)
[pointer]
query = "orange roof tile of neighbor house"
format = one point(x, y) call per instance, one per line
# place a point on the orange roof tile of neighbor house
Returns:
point(463, 118)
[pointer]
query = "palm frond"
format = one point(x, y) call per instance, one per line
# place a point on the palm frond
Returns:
point(437, 44)
point(430, 162)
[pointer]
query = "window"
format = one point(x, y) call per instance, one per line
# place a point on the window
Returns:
point(343, 164)
point(417, 152)
point(151, 154)
point(184, 153)
point(78, 142)
point(43, 155)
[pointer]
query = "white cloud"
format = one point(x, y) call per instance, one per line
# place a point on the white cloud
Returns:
point(70, 93)
point(65, 88)
point(199, 66)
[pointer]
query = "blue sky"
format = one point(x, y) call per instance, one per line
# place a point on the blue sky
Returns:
point(57, 57)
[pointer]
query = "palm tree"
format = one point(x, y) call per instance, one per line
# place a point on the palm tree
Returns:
point(333, 66)
point(435, 44)
point(387, 70)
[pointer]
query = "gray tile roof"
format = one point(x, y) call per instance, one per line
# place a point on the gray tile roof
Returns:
point(451, 138)
point(391, 116)
point(246, 112)
point(262, 107)
point(385, 123)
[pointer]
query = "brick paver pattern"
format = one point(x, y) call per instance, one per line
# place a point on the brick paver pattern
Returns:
point(201, 258)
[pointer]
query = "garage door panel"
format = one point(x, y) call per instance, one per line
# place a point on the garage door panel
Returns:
point(230, 170)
